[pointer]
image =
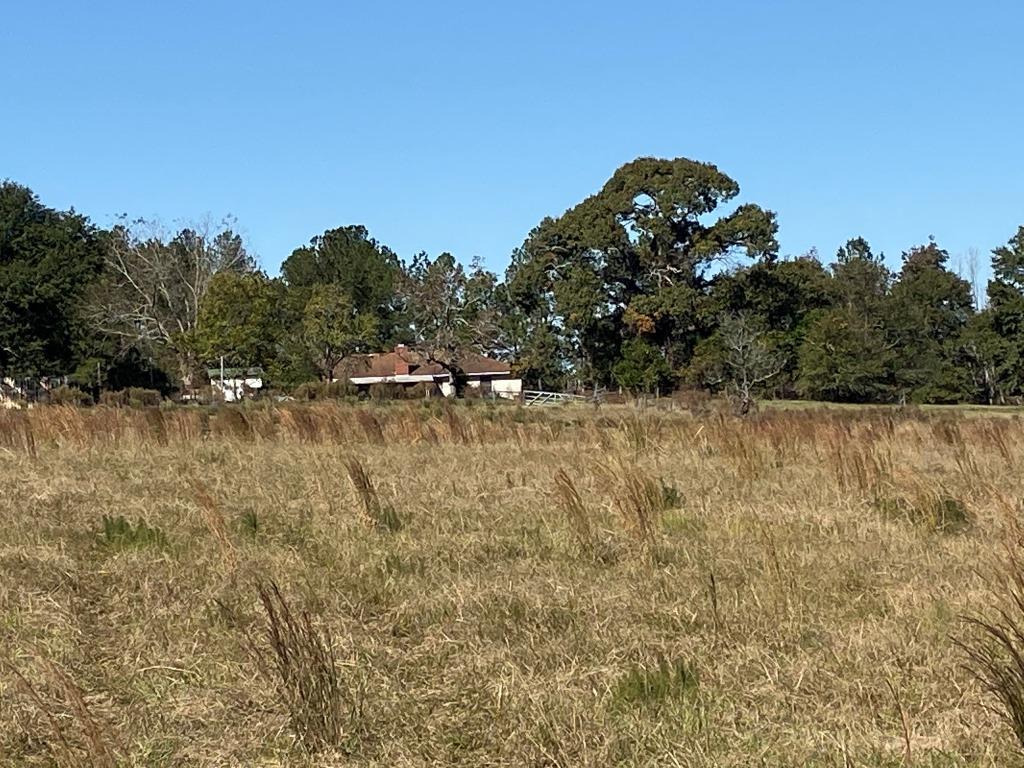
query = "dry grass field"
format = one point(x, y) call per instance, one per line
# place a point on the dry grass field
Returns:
point(423, 584)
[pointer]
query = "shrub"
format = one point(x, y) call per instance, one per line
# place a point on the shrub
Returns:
point(69, 396)
point(114, 399)
point(134, 397)
point(386, 391)
point(696, 401)
point(421, 391)
point(325, 390)
point(139, 397)
point(473, 393)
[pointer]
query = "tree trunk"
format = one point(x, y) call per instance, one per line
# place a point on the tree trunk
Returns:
point(459, 382)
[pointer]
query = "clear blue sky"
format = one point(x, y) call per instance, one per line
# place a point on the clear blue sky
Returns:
point(459, 125)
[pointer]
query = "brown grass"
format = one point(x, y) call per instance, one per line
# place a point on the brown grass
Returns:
point(994, 644)
point(378, 512)
point(570, 587)
point(77, 737)
point(297, 657)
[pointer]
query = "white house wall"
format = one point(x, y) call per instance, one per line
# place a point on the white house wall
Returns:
point(509, 389)
point(233, 390)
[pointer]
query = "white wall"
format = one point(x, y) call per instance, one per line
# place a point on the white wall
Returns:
point(507, 388)
point(235, 389)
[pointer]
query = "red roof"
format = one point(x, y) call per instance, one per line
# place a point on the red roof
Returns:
point(389, 363)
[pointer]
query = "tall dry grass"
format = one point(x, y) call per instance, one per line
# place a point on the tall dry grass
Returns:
point(485, 585)
point(297, 658)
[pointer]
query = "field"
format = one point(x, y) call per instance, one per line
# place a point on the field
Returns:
point(424, 584)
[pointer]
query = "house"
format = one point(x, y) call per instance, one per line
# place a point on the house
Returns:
point(234, 384)
point(408, 368)
point(15, 392)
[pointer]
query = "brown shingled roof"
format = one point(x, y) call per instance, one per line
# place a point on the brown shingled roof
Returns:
point(385, 364)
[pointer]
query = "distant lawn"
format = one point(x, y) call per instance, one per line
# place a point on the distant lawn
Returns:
point(973, 408)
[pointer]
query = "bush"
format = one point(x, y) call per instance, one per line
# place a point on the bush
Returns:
point(132, 397)
point(386, 391)
point(696, 401)
point(139, 397)
point(117, 399)
point(421, 391)
point(379, 393)
point(325, 390)
point(69, 396)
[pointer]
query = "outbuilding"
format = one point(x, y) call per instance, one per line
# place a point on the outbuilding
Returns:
point(234, 384)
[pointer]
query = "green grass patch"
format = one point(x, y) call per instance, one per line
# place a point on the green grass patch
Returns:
point(118, 533)
point(669, 680)
point(940, 513)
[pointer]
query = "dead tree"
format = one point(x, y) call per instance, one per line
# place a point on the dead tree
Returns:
point(749, 358)
point(155, 283)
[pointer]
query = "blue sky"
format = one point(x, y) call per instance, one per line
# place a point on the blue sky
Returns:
point(459, 125)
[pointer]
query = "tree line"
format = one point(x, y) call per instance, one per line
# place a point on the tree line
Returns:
point(657, 282)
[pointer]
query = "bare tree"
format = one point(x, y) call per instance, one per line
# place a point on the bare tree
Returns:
point(974, 278)
point(451, 311)
point(749, 360)
point(155, 283)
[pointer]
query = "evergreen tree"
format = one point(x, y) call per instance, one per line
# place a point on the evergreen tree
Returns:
point(632, 261)
point(1006, 311)
point(642, 368)
point(779, 297)
point(48, 260)
point(352, 262)
point(846, 353)
point(929, 308)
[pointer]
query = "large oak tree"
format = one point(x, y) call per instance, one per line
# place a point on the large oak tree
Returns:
point(632, 260)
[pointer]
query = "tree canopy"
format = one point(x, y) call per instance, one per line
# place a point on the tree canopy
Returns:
point(632, 261)
point(48, 260)
point(664, 278)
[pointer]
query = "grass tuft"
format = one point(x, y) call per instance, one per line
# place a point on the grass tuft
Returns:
point(118, 533)
point(575, 512)
point(994, 649)
point(79, 738)
point(379, 512)
point(298, 658)
point(668, 680)
point(249, 523)
point(939, 512)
